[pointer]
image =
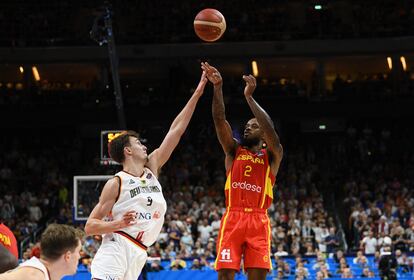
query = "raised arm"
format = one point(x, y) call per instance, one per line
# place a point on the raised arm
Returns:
point(223, 128)
point(95, 225)
point(270, 136)
point(160, 156)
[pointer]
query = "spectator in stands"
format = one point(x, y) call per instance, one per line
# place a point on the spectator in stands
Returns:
point(301, 271)
point(310, 251)
point(320, 235)
point(320, 263)
point(187, 241)
point(155, 266)
point(347, 273)
point(403, 261)
point(338, 255)
point(319, 275)
point(388, 265)
point(280, 274)
point(365, 273)
point(174, 235)
point(398, 239)
point(383, 226)
point(360, 259)
point(196, 265)
point(325, 271)
point(205, 231)
point(281, 251)
point(287, 270)
point(341, 268)
point(178, 264)
point(369, 243)
point(215, 225)
point(331, 241)
point(377, 257)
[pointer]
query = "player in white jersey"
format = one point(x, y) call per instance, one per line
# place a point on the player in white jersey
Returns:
point(134, 200)
point(59, 256)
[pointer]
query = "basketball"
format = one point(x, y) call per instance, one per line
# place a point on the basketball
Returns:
point(209, 25)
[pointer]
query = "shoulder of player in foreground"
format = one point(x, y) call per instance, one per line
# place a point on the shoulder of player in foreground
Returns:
point(30, 273)
point(23, 273)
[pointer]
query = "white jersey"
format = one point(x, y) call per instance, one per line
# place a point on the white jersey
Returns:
point(36, 263)
point(143, 195)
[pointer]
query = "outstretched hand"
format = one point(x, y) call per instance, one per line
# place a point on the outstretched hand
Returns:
point(212, 74)
point(202, 84)
point(250, 85)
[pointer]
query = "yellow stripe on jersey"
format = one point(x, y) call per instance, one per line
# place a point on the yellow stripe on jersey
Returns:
point(227, 186)
point(221, 237)
point(268, 188)
point(269, 240)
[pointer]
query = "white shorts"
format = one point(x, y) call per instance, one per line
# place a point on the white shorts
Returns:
point(118, 258)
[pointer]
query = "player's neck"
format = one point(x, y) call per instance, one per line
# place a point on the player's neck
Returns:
point(253, 149)
point(135, 169)
point(55, 270)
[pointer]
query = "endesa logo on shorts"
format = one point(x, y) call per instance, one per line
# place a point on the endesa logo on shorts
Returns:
point(246, 186)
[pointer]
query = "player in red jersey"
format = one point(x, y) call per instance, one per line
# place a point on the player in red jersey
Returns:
point(8, 248)
point(251, 172)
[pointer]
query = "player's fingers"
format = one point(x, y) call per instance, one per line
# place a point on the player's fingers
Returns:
point(251, 80)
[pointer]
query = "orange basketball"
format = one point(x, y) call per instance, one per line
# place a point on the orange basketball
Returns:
point(209, 25)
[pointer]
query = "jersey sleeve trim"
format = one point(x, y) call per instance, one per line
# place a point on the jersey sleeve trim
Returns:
point(119, 187)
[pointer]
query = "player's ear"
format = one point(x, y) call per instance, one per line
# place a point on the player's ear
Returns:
point(67, 255)
point(127, 149)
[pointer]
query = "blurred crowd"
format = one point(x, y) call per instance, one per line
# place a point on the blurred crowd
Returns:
point(361, 88)
point(67, 22)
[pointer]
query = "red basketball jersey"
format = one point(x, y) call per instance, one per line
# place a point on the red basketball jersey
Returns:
point(8, 240)
point(249, 181)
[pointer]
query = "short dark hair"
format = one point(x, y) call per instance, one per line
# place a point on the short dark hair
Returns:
point(117, 145)
point(57, 239)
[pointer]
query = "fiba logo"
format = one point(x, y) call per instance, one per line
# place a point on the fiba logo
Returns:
point(225, 255)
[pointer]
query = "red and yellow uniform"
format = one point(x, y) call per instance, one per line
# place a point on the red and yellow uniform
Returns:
point(8, 240)
point(245, 227)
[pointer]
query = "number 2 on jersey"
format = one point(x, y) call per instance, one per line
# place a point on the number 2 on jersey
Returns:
point(247, 170)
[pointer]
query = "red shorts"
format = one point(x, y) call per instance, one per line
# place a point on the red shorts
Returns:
point(244, 232)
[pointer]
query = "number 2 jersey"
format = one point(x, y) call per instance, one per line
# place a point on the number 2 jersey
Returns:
point(250, 181)
point(144, 195)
